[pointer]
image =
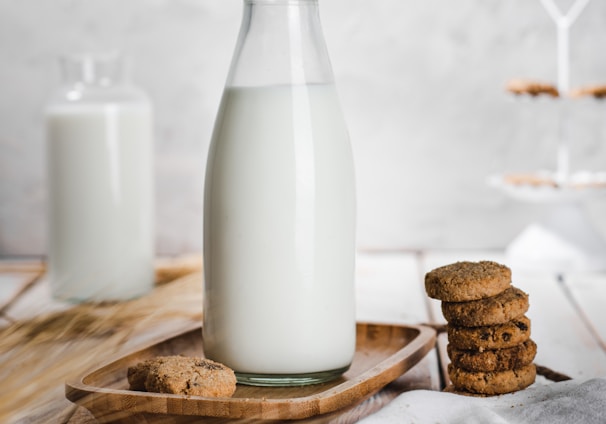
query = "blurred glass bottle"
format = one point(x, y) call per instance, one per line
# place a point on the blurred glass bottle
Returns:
point(279, 228)
point(99, 131)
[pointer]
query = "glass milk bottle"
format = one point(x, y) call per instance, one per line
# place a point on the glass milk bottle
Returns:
point(99, 149)
point(279, 224)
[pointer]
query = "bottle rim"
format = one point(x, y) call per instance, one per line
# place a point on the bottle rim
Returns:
point(280, 2)
point(93, 68)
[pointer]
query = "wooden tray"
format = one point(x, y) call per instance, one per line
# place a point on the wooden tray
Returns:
point(383, 353)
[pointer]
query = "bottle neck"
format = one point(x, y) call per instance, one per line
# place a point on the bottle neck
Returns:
point(94, 70)
point(280, 42)
point(96, 78)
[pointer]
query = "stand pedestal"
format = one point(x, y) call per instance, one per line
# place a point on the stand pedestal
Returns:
point(565, 240)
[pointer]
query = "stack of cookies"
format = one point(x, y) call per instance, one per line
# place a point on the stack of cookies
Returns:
point(489, 343)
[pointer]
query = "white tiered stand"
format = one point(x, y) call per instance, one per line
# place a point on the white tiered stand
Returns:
point(565, 239)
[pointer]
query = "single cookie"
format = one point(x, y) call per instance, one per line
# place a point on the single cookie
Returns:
point(183, 375)
point(495, 359)
point(464, 281)
point(510, 304)
point(530, 179)
point(492, 383)
point(532, 88)
point(501, 336)
point(597, 91)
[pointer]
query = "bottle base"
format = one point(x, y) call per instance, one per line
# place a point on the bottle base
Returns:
point(289, 380)
point(76, 299)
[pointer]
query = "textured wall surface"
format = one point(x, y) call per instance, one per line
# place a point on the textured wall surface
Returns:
point(421, 83)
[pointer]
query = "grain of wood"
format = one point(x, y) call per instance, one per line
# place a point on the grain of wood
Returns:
point(383, 354)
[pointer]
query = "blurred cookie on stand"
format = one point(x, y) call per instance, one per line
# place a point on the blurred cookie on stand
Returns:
point(532, 87)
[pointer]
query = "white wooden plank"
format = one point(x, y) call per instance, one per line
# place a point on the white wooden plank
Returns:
point(36, 301)
point(388, 289)
point(11, 283)
point(589, 292)
point(564, 342)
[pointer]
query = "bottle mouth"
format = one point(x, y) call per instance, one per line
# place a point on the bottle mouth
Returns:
point(92, 68)
point(280, 2)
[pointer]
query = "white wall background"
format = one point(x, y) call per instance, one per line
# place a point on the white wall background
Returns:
point(421, 84)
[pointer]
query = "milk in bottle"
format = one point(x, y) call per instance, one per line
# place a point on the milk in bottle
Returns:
point(99, 149)
point(279, 233)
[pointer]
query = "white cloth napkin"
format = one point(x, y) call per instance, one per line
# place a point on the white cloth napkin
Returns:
point(566, 402)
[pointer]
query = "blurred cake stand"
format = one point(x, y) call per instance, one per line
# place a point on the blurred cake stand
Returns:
point(565, 238)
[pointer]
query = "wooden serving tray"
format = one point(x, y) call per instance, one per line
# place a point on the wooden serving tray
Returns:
point(383, 353)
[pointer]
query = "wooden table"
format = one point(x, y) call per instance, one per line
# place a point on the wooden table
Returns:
point(566, 311)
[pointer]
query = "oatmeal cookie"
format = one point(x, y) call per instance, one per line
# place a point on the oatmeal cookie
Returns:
point(464, 281)
point(182, 375)
point(492, 383)
point(494, 359)
point(499, 309)
point(501, 336)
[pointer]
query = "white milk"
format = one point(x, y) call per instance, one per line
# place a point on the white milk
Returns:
point(279, 233)
point(100, 200)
